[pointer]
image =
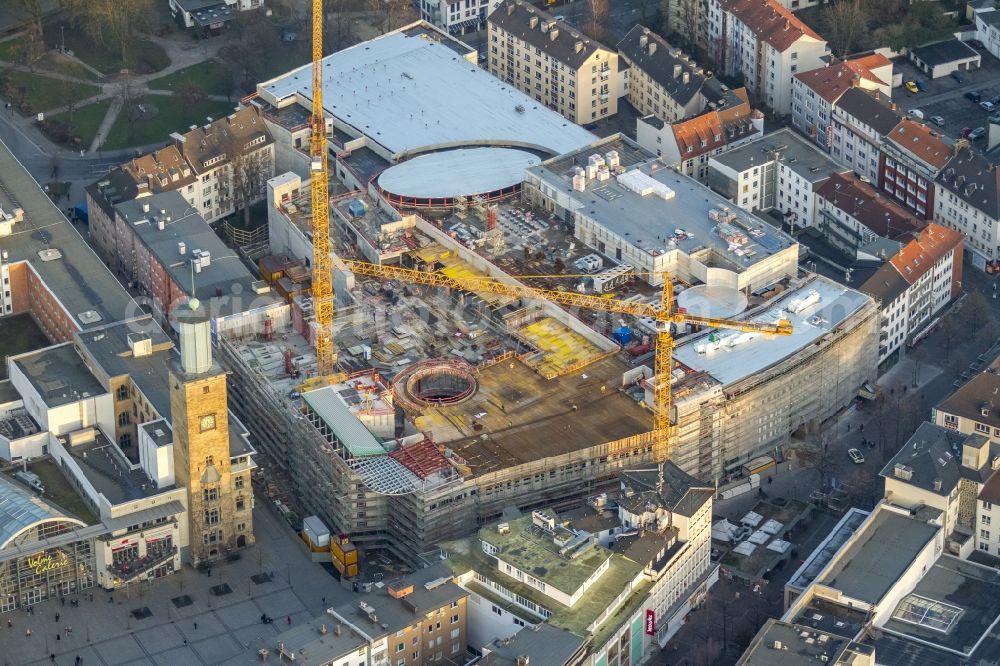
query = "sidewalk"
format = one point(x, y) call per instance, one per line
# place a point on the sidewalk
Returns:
point(209, 629)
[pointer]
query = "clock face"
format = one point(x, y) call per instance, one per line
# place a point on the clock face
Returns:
point(207, 422)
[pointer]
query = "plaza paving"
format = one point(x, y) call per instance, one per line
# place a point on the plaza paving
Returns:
point(210, 629)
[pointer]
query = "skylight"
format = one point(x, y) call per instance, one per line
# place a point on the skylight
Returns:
point(924, 612)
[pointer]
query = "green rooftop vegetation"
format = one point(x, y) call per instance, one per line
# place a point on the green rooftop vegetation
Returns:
point(535, 552)
point(59, 492)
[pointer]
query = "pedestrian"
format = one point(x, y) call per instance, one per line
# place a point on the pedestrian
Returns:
point(52, 658)
point(10, 623)
point(196, 626)
point(27, 632)
point(58, 637)
point(63, 600)
point(289, 619)
point(69, 629)
point(57, 617)
point(324, 601)
point(862, 427)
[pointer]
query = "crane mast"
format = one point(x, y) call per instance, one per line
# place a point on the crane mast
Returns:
point(322, 287)
point(664, 314)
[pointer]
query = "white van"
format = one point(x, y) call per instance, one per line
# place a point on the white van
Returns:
point(916, 113)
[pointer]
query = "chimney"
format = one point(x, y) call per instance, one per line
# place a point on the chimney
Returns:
point(553, 33)
point(145, 206)
point(652, 48)
point(892, 106)
point(677, 71)
point(686, 78)
point(510, 9)
point(579, 46)
point(523, 660)
point(643, 40)
point(533, 22)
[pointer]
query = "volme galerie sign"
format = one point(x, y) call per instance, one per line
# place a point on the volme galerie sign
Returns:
point(47, 561)
point(651, 622)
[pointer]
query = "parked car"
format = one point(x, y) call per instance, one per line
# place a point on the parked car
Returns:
point(958, 76)
point(974, 95)
point(937, 120)
point(995, 100)
point(995, 117)
point(912, 86)
point(966, 131)
point(856, 456)
point(977, 133)
point(988, 106)
point(916, 113)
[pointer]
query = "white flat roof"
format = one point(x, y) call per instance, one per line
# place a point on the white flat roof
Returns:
point(729, 364)
point(410, 94)
point(461, 172)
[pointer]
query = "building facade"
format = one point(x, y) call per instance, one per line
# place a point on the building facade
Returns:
point(765, 44)
point(861, 119)
point(219, 496)
point(457, 16)
point(688, 144)
point(911, 158)
point(967, 199)
point(815, 93)
point(552, 62)
point(915, 284)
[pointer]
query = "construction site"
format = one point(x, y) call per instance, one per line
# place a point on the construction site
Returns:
point(442, 363)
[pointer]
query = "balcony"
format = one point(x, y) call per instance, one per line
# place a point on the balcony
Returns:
point(130, 569)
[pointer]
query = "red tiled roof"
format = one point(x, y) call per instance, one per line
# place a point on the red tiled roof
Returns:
point(830, 82)
point(771, 22)
point(917, 256)
point(922, 142)
point(703, 134)
point(869, 207)
point(870, 62)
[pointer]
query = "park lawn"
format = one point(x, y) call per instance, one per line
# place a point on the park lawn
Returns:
point(211, 76)
point(68, 67)
point(286, 57)
point(144, 57)
point(9, 47)
point(42, 93)
point(86, 120)
point(173, 116)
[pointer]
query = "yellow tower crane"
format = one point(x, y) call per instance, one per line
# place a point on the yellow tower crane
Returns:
point(322, 287)
point(664, 315)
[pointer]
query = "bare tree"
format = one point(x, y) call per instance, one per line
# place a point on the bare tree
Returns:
point(128, 93)
point(36, 11)
point(596, 26)
point(681, 22)
point(249, 169)
point(190, 95)
point(846, 22)
point(112, 23)
point(818, 455)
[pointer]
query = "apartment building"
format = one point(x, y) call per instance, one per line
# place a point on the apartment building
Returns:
point(860, 221)
point(915, 284)
point(988, 518)
point(552, 62)
point(816, 92)
point(620, 575)
point(861, 119)
point(688, 145)
point(911, 158)
point(967, 199)
point(764, 43)
point(780, 171)
point(457, 16)
point(974, 408)
point(218, 168)
point(663, 81)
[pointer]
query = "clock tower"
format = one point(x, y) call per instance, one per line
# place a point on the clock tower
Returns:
point(218, 488)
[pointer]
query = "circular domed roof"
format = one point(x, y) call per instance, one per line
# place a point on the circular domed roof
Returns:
point(706, 301)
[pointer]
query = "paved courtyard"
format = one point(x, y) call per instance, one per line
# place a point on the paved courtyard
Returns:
point(187, 618)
